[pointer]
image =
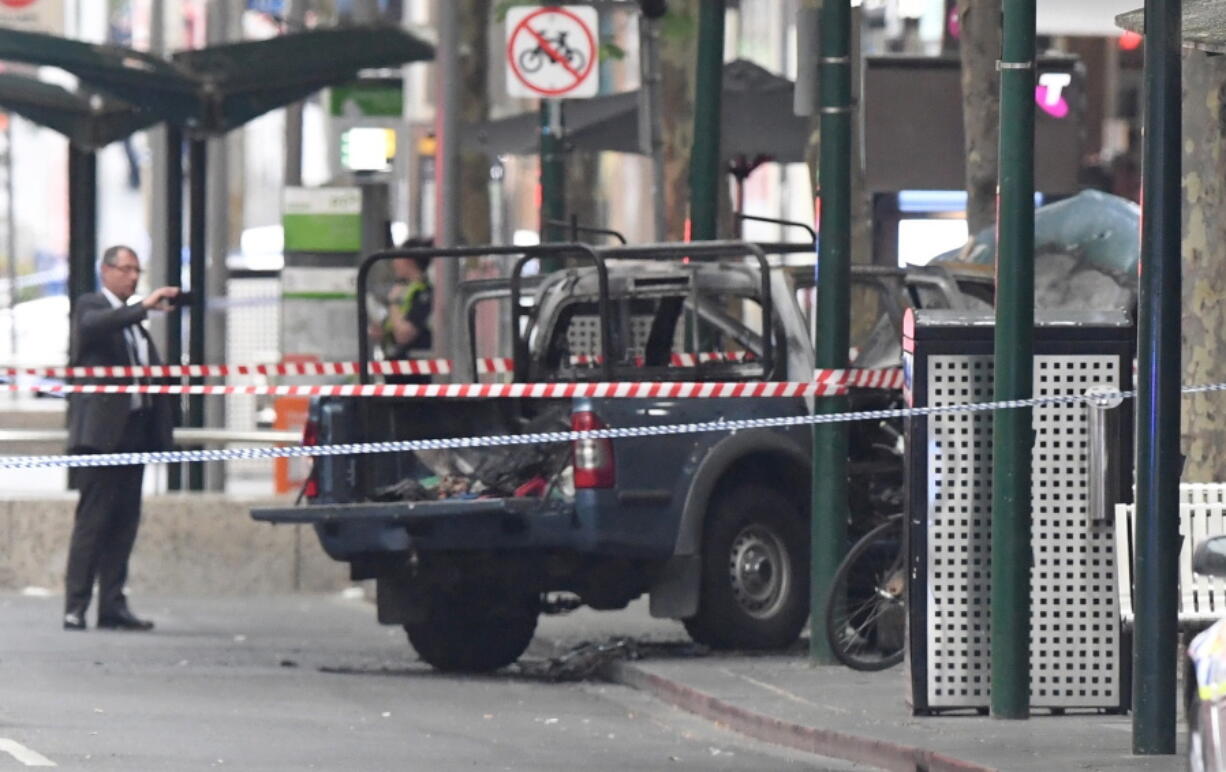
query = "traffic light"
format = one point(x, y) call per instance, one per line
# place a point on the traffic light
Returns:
point(653, 9)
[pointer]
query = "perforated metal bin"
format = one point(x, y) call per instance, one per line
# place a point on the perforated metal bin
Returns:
point(1078, 658)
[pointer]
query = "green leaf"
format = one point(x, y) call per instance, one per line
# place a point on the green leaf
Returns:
point(500, 10)
point(677, 25)
point(612, 51)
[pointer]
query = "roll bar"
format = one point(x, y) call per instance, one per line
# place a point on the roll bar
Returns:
point(539, 251)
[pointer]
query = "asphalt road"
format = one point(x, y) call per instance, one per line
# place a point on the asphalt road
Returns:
point(312, 682)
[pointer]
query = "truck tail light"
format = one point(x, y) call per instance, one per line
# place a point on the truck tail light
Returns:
point(310, 436)
point(593, 458)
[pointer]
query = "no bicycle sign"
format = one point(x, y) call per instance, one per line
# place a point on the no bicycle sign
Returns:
point(551, 51)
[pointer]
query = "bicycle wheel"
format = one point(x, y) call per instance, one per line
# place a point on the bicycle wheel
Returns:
point(575, 59)
point(865, 610)
point(531, 60)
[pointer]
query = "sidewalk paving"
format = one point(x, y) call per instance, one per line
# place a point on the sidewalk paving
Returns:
point(862, 717)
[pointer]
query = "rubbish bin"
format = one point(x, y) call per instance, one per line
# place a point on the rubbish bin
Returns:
point(1078, 657)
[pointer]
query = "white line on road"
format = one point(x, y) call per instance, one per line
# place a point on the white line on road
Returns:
point(23, 754)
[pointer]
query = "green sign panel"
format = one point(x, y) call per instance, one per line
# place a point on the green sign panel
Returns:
point(322, 219)
point(372, 98)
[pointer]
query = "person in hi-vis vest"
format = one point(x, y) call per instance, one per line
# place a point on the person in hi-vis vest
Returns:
point(405, 332)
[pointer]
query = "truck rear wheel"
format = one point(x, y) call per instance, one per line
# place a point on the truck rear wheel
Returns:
point(473, 632)
point(755, 573)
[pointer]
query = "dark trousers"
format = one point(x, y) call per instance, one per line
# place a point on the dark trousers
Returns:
point(104, 531)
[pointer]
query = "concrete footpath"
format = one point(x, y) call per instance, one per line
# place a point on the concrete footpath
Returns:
point(837, 712)
point(862, 717)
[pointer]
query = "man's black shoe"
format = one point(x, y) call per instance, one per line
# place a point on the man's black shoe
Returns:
point(74, 622)
point(124, 621)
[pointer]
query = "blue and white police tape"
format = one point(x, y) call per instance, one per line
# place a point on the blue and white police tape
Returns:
point(392, 446)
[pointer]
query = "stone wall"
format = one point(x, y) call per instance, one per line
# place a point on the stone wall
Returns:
point(190, 544)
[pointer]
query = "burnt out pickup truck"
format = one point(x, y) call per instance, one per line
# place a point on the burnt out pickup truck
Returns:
point(468, 547)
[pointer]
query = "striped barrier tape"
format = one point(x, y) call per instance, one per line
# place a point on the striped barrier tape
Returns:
point(484, 365)
point(887, 378)
point(366, 448)
point(392, 367)
point(832, 382)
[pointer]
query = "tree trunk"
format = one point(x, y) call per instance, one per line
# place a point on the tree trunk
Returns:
point(1204, 263)
point(474, 165)
point(583, 193)
point(980, 47)
point(678, 53)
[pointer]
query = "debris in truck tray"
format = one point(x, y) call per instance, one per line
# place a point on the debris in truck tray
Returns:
point(534, 488)
point(408, 489)
point(521, 470)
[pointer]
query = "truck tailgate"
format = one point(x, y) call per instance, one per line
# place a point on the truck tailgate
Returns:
point(448, 524)
point(395, 511)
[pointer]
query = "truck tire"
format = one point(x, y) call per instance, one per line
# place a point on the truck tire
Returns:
point(755, 572)
point(474, 633)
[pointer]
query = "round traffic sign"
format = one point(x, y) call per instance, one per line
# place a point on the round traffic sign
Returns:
point(551, 51)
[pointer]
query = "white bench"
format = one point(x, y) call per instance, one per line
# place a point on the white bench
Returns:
point(1202, 514)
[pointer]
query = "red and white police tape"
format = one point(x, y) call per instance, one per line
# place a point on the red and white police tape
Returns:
point(829, 382)
point(826, 383)
point(485, 365)
point(889, 378)
point(395, 367)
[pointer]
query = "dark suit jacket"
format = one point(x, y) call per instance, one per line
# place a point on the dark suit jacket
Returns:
point(96, 420)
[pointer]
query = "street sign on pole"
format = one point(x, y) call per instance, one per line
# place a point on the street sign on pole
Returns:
point(552, 51)
point(33, 15)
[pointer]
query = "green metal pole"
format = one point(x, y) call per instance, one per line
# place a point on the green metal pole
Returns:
point(82, 221)
point(173, 191)
point(829, 520)
point(1012, 430)
point(708, 83)
point(553, 172)
point(1155, 634)
point(197, 183)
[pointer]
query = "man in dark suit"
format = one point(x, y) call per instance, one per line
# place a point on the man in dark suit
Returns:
point(106, 330)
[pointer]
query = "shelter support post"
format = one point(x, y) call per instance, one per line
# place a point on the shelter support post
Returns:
point(82, 221)
point(198, 171)
point(173, 270)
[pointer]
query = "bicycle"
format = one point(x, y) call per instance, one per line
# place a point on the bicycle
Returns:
point(866, 607)
point(533, 59)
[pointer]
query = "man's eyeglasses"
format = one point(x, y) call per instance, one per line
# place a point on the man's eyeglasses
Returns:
point(126, 268)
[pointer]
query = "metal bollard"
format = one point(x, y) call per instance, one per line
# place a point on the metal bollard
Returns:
point(1103, 471)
